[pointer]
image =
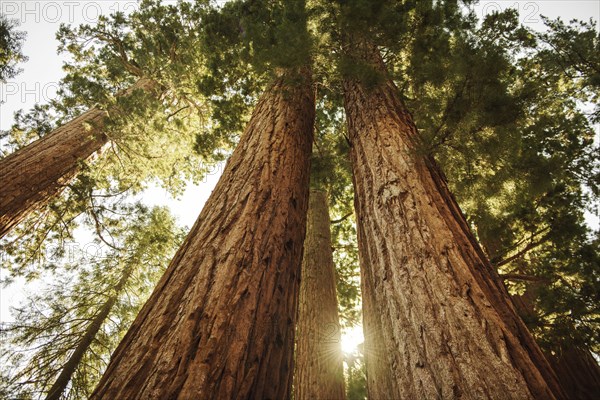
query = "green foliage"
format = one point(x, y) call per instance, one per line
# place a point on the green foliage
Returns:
point(11, 45)
point(356, 377)
point(572, 51)
point(50, 325)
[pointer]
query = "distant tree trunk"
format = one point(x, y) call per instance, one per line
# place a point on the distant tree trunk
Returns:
point(319, 371)
point(220, 323)
point(448, 325)
point(72, 363)
point(31, 176)
point(578, 372)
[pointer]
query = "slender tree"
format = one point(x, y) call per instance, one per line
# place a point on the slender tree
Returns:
point(441, 306)
point(61, 338)
point(318, 362)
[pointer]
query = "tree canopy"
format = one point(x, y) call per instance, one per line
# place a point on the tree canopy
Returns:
point(11, 48)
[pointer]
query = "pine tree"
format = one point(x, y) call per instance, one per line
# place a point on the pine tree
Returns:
point(31, 176)
point(62, 336)
point(127, 93)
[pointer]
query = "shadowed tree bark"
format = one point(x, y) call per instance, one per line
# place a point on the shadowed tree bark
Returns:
point(319, 371)
point(578, 372)
point(220, 323)
point(448, 326)
point(32, 175)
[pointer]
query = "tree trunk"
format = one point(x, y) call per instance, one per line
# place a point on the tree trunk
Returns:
point(578, 372)
point(31, 176)
point(319, 371)
point(448, 326)
point(220, 323)
point(72, 363)
point(379, 372)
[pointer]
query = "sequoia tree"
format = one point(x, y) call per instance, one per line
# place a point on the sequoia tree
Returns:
point(220, 323)
point(131, 84)
point(318, 362)
point(31, 176)
point(446, 320)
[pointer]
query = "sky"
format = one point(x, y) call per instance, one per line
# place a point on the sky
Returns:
point(39, 80)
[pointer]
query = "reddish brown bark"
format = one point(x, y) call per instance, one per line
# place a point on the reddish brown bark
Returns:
point(448, 325)
point(220, 323)
point(31, 176)
point(319, 371)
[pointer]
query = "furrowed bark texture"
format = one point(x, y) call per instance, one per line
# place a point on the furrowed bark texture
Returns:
point(379, 371)
point(449, 329)
point(319, 370)
point(220, 323)
point(72, 363)
point(31, 176)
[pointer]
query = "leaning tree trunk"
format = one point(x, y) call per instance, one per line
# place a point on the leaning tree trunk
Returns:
point(220, 323)
point(319, 371)
point(31, 176)
point(448, 326)
point(84, 344)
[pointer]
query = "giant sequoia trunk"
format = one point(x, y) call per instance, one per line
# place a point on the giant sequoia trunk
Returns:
point(63, 379)
point(220, 323)
point(31, 176)
point(319, 370)
point(448, 327)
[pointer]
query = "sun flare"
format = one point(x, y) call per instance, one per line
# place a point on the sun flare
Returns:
point(351, 338)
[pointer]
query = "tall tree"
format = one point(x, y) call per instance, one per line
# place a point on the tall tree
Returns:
point(132, 83)
point(31, 176)
point(220, 323)
point(440, 304)
point(318, 362)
